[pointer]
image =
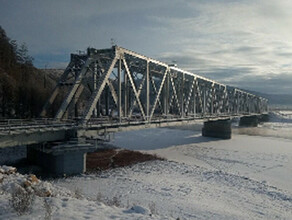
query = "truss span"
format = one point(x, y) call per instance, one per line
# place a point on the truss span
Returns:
point(118, 85)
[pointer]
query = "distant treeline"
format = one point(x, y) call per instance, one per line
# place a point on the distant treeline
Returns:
point(23, 88)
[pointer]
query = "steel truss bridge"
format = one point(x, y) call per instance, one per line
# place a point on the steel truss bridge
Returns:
point(119, 85)
point(113, 89)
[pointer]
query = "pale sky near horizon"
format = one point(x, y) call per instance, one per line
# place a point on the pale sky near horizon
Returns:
point(243, 43)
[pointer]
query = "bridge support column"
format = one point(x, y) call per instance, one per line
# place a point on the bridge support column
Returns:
point(264, 118)
point(32, 154)
point(62, 159)
point(217, 129)
point(249, 121)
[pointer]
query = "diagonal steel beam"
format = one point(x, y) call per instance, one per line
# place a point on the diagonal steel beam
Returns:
point(224, 100)
point(199, 92)
point(73, 90)
point(155, 90)
point(97, 93)
point(190, 94)
point(171, 100)
point(175, 93)
point(110, 85)
point(113, 91)
point(56, 89)
point(134, 102)
point(158, 94)
point(77, 95)
point(134, 88)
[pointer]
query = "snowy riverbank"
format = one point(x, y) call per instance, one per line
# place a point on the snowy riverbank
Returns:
point(243, 178)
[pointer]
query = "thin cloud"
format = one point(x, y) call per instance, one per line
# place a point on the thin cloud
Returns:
point(242, 43)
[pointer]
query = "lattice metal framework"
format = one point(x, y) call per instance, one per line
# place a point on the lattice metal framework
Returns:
point(120, 85)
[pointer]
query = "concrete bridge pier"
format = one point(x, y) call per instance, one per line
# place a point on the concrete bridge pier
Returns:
point(60, 158)
point(249, 121)
point(218, 129)
point(264, 118)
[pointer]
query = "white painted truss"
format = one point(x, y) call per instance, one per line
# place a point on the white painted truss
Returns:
point(119, 85)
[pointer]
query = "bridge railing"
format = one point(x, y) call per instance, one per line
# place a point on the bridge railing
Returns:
point(9, 125)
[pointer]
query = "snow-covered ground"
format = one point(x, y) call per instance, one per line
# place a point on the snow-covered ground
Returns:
point(53, 202)
point(247, 177)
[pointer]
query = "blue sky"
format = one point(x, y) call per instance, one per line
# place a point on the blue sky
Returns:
point(243, 43)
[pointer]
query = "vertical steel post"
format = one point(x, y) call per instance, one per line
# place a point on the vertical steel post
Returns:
point(94, 76)
point(249, 103)
point(120, 90)
point(237, 103)
point(182, 95)
point(212, 98)
point(76, 107)
point(106, 99)
point(147, 91)
point(167, 95)
point(126, 94)
point(164, 98)
point(204, 99)
point(74, 103)
point(225, 101)
point(195, 98)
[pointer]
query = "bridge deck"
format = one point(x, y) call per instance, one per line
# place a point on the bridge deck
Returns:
point(24, 133)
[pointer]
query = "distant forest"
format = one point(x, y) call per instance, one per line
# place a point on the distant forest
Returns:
point(23, 88)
